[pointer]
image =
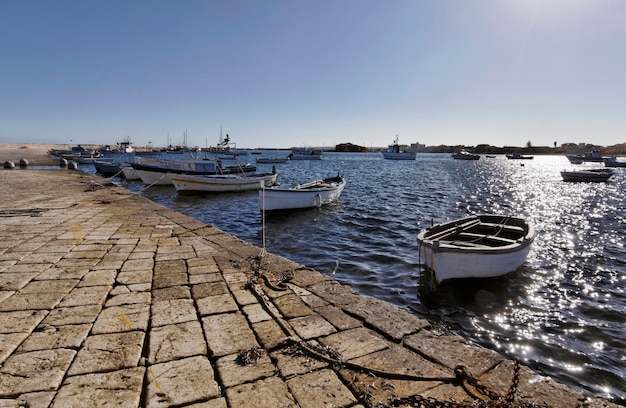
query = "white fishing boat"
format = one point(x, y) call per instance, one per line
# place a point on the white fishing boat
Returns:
point(158, 172)
point(309, 195)
point(221, 183)
point(465, 155)
point(306, 154)
point(594, 156)
point(588, 175)
point(517, 156)
point(394, 152)
point(480, 246)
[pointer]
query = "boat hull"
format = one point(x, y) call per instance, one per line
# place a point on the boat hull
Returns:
point(399, 155)
point(454, 250)
point(593, 176)
point(272, 200)
point(188, 184)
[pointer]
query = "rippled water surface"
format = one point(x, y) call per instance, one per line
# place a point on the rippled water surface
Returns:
point(563, 313)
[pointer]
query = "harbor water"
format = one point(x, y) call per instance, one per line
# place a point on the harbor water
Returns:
point(563, 313)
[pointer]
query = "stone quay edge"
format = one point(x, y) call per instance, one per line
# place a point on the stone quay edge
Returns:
point(109, 299)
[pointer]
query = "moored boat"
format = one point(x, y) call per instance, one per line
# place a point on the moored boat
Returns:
point(306, 154)
point(221, 183)
point(587, 175)
point(465, 155)
point(394, 152)
point(158, 173)
point(479, 246)
point(265, 160)
point(613, 162)
point(517, 156)
point(594, 156)
point(301, 196)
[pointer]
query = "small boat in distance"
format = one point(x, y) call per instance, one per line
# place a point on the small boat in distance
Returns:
point(480, 246)
point(613, 162)
point(587, 175)
point(465, 155)
point(394, 152)
point(517, 156)
point(595, 157)
point(301, 196)
point(306, 154)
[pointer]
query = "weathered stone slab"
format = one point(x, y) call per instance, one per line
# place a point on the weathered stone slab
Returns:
point(122, 318)
point(108, 352)
point(118, 389)
point(31, 301)
point(268, 393)
point(320, 389)
point(27, 268)
point(452, 351)
point(72, 315)
point(195, 279)
point(209, 289)
point(214, 403)
point(269, 333)
point(181, 382)
point(9, 342)
point(104, 277)
point(36, 399)
point(48, 286)
point(244, 297)
point(146, 264)
point(232, 373)
point(176, 341)
point(354, 343)
point(291, 306)
point(34, 371)
point(50, 337)
point(291, 365)
point(89, 295)
point(129, 298)
point(309, 327)
point(172, 312)
point(387, 318)
point(228, 334)
point(171, 293)
point(334, 292)
point(338, 318)
point(42, 258)
point(15, 281)
point(4, 294)
point(20, 321)
point(216, 304)
point(203, 265)
point(256, 313)
point(135, 277)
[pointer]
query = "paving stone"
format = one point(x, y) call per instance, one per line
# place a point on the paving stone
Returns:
point(27, 268)
point(34, 371)
point(116, 389)
point(320, 389)
point(135, 277)
point(51, 337)
point(89, 295)
point(172, 312)
point(36, 399)
point(228, 334)
point(45, 286)
point(26, 301)
point(291, 306)
point(338, 318)
point(122, 318)
point(72, 315)
point(269, 333)
point(267, 393)
point(291, 365)
point(195, 279)
point(203, 265)
point(334, 292)
point(354, 343)
point(452, 351)
point(387, 318)
point(232, 373)
point(15, 281)
point(216, 304)
point(174, 292)
point(9, 342)
point(309, 327)
point(4, 294)
point(21, 321)
point(176, 341)
point(41, 258)
point(104, 277)
point(214, 403)
point(108, 352)
point(209, 289)
point(256, 313)
point(181, 382)
point(129, 298)
point(63, 273)
point(244, 297)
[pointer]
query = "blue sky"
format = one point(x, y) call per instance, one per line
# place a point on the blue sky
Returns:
point(281, 73)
